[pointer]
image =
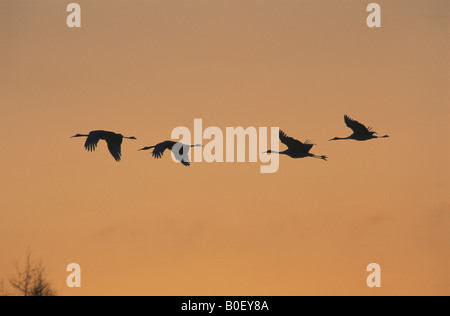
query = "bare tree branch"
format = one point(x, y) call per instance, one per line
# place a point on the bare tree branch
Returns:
point(31, 279)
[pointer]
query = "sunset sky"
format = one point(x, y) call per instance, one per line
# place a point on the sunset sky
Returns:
point(153, 227)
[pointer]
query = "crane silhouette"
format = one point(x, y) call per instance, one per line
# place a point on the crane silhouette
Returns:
point(296, 149)
point(360, 131)
point(113, 140)
point(180, 150)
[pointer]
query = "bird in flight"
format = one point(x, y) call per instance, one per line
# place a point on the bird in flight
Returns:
point(113, 140)
point(360, 131)
point(179, 150)
point(296, 149)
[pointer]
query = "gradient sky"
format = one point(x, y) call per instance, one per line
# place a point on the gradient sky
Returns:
point(144, 67)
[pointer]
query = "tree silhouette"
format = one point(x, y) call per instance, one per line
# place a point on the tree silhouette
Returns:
point(29, 280)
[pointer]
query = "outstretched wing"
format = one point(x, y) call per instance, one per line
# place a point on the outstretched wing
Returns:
point(92, 140)
point(185, 163)
point(357, 127)
point(115, 149)
point(184, 155)
point(161, 148)
point(295, 144)
point(180, 152)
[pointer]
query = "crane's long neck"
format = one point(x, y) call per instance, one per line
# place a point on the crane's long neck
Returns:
point(342, 138)
point(275, 152)
point(146, 148)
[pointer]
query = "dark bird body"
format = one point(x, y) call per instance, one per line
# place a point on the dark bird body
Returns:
point(113, 140)
point(179, 150)
point(296, 149)
point(360, 131)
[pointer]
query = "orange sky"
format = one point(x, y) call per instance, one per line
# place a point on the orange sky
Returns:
point(146, 227)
